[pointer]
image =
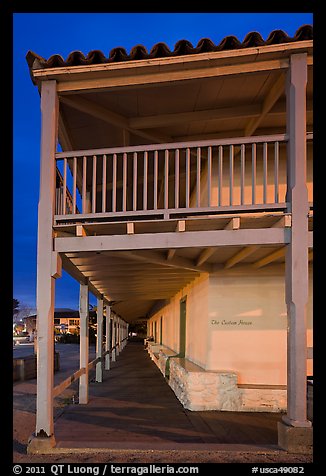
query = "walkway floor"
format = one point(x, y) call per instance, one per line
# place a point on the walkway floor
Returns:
point(134, 408)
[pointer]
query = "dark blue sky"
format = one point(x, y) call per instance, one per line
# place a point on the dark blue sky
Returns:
point(51, 33)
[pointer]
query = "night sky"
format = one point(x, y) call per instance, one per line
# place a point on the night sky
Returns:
point(49, 33)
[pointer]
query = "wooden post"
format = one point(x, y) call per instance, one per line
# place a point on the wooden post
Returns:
point(99, 341)
point(296, 259)
point(45, 275)
point(114, 333)
point(84, 342)
point(107, 337)
point(117, 339)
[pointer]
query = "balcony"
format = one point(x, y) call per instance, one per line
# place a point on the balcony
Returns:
point(175, 180)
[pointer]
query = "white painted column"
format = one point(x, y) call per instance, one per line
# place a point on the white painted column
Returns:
point(123, 335)
point(99, 341)
point(47, 263)
point(84, 342)
point(107, 337)
point(114, 337)
point(117, 336)
point(296, 260)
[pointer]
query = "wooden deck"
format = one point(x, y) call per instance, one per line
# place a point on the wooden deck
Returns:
point(134, 408)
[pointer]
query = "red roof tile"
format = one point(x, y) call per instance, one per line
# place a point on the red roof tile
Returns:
point(161, 50)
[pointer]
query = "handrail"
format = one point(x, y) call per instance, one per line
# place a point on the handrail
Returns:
point(68, 381)
point(75, 376)
point(174, 145)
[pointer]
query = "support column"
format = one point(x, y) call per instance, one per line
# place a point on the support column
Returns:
point(117, 336)
point(84, 342)
point(107, 337)
point(114, 338)
point(99, 341)
point(47, 263)
point(294, 432)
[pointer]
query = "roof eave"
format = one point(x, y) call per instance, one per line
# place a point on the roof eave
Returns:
point(64, 73)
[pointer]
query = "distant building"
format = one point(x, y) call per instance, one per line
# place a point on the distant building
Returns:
point(65, 321)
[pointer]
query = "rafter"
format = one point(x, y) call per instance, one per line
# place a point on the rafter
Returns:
point(274, 93)
point(100, 112)
point(270, 258)
point(176, 262)
point(164, 120)
point(241, 255)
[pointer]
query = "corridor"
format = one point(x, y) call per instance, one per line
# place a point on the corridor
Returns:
point(134, 408)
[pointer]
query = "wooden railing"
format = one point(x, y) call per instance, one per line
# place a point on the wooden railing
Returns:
point(63, 198)
point(58, 389)
point(175, 178)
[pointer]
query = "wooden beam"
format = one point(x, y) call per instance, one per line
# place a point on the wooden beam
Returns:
point(204, 255)
point(273, 95)
point(64, 134)
point(242, 254)
point(170, 254)
point(162, 76)
point(233, 224)
point(270, 258)
point(164, 120)
point(176, 262)
point(284, 222)
point(100, 112)
point(181, 226)
point(187, 239)
point(74, 272)
point(311, 255)
point(80, 230)
point(130, 228)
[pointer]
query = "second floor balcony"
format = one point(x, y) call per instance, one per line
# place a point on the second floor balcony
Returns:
point(175, 180)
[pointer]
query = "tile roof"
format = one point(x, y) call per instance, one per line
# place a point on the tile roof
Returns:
point(161, 50)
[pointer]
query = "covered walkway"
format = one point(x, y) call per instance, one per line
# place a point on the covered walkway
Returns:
point(134, 408)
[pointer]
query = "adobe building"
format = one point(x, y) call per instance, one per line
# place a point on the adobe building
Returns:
point(182, 194)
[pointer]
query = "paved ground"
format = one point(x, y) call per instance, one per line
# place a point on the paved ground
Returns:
point(136, 415)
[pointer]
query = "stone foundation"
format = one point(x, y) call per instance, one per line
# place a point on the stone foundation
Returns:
point(200, 390)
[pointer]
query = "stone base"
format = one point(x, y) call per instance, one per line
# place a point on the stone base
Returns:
point(200, 390)
point(40, 444)
point(295, 439)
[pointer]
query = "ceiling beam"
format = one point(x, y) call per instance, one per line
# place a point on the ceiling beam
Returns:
point(241, 255)
point(64, 133)
point(176, 262)
point(270, 258)
point(102, 113)
point(170, 254)
point(233, 224)
point(204, 255)
point(273, 95)
point(73, 271)
point(164, 120)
